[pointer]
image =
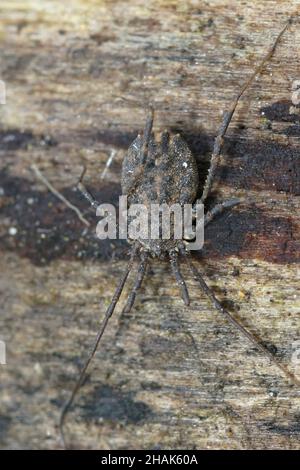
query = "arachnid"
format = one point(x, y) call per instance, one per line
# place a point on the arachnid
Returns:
point(153, 173)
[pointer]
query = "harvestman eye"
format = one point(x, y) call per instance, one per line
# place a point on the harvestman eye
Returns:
point(152, 160)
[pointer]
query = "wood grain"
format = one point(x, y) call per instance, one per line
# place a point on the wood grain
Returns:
point(79, 77)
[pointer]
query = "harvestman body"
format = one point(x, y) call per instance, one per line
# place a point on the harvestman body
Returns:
point(152, 172)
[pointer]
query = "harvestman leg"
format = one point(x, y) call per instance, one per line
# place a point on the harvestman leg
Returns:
point(144, 256)
point(85, 192)
point(209, 293)
point(219, 208)
point(144, 151)
point(118, 292)
point(138, 282)
point(218, 145)
point(103, 325)
point(178, 276)
point(147, 135)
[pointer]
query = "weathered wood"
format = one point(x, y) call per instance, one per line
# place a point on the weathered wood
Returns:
point(79, 78)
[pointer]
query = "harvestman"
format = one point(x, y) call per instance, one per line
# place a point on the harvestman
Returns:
point(150, 158)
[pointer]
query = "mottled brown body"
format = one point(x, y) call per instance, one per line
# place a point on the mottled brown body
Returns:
point(169, 176)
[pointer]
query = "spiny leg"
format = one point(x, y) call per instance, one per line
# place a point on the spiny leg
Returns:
point(178, 276)
point(85, 192)
point(138, 282)
point(108, 314)
point(218, 144)
point(219, 208)
point(198, 277)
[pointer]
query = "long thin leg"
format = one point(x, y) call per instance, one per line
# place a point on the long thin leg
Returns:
point(108, 163)
point(228, 116)
point(85, 192)
point(108, 314)
point(198, 277)
point(139, 171)
point(137, 284)
point(219, 208)
point(147, 135)
point(178, 276)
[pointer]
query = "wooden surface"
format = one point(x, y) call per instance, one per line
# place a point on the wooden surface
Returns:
point(79, 77)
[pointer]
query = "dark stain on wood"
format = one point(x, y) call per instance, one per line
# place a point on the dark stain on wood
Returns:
point(115, 406)
point(262, 166)
point(283, 112)
point(117, 139)
point(292, 429)
point(280, 112)
point(5, 422)
point(15, 139)
point(47, 229)
point(12, 140)
point(252, 233)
